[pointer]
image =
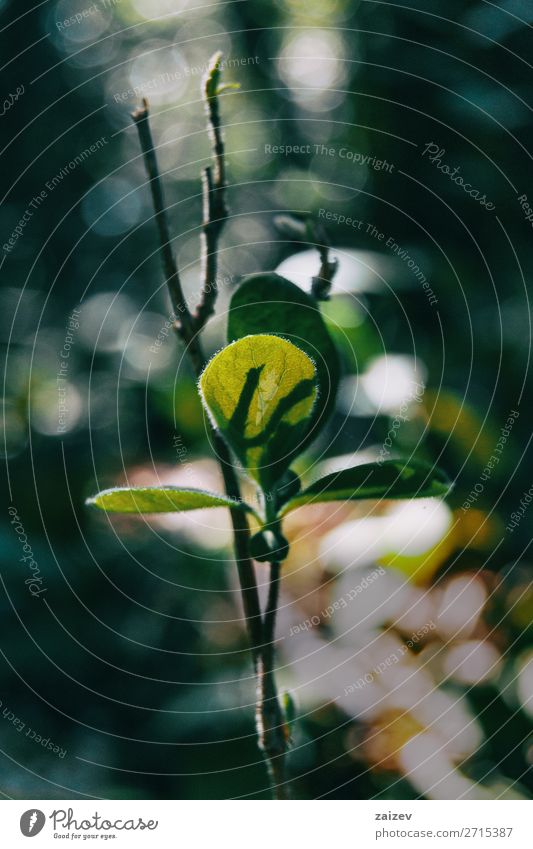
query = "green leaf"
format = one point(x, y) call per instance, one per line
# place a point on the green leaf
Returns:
point(213, 75)
point(260, 392)
point(159, 499)
point(390, 479)
point(228, 87)
point(268, 303)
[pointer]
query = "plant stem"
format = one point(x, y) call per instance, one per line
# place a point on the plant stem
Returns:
point(215, 211)
point(241, 540)
point(270, 721)
point(321, 284)
point(170, 268)
point(271, 725)
point(184, 327)
point(312, 231)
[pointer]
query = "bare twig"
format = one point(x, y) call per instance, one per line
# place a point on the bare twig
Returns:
point(170, 268)
point(212, 90)
point(321, 284)
point(215, 211)
point(309, 231)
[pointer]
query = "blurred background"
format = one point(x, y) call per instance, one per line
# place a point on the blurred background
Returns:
point(405, 629)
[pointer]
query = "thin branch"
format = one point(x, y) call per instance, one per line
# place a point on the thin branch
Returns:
point(271, 725)
point(215, 211)
point(321, 284)
point(184, 327)
point(313, 232)
point(170, 268)
point(241, 544)
point(212, 90)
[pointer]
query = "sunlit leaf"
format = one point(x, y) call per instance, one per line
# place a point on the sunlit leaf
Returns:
point(260, 392)
point(159, 499)
point(390, 479)
point(270, 303)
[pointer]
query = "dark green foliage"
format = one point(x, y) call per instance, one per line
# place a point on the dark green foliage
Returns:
point(268, 303)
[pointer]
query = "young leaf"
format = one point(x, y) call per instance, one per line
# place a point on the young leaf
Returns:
point(390, 479)
point(159, 499)
point(260, 392)
point(268, 303)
